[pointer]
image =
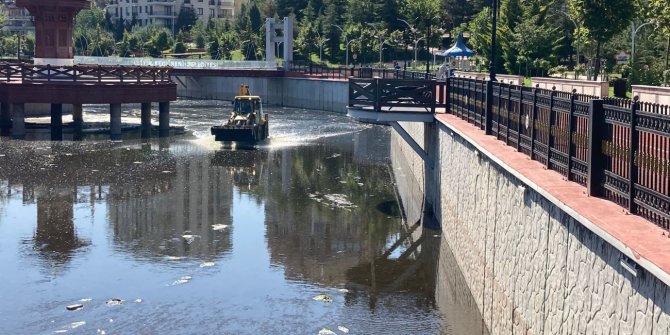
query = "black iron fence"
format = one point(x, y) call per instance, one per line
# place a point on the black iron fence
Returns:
point(619, 149)
point(391, 95)
point(343, 72)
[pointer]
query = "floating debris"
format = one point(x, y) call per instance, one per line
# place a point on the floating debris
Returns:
point(77, 324)
point(114, 302)
point(343, 329)
point(174, 258)
point(60, 331)
point(101, 332)
point(339, 200)
point(138, 300)
point(138, 162)
point(182, 280)
point(85, 300)
point(334, 156)
point(74, 307)
point(189, 238)
point(166, 171)
point(333, 200)
point(219, 227)
point(360, 184)
point(207, 264)
point(323, 297)
point(343, 290)
point(326, 331)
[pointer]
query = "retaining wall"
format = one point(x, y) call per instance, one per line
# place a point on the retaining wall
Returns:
point(327, 95)
point(531, 268)
point(654, 94)
point(596, 88)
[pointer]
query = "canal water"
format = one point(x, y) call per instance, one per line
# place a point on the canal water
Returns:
point(304, 234)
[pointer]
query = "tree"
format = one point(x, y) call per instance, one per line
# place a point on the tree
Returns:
point(186, 19)
point(659, 10)
point(603, 19)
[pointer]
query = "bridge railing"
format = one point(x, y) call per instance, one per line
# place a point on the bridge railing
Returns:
point(342, 72)
point(83, 74)
point(390, 95)
point(619, 149)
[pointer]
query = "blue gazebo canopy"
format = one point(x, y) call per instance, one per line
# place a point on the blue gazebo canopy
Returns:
point(459, 49)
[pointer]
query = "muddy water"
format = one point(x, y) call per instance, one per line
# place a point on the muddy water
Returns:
point(301, 235)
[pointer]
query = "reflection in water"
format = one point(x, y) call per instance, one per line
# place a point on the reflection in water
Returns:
point(55, 239)
point(213, 240)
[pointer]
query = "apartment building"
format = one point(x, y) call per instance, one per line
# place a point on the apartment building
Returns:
point(19, 19)
point(165, 12)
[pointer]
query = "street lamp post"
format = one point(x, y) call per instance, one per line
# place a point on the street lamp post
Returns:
point(632, 38)
point(381, 43)
point(414, 39)
point(321, 41)
point(576, 28)
point(346, 41)
point(488, 120)
point(494, 28)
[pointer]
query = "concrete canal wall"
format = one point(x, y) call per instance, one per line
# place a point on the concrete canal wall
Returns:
point(327, 95)
point(531, 265)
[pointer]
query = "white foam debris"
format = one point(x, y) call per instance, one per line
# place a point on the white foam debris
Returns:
point(207, 264)
point(182, 280)
point(343, 329)
point(77, 324)
point(219, 227)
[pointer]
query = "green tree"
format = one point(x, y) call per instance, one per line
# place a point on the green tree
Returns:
point(179, 48)
point(186, 19)
point(603, 19)
point(659, 10)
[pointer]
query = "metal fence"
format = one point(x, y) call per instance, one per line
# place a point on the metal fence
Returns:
point(342, 72)
point(619, 149)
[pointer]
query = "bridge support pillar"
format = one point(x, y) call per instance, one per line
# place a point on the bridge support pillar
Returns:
point(18, 121)
point(56, 122)
point(77, 114)
point(5, 119)
point(146, 119)
point(432, 180)
point(115, 121)
point(163, 119)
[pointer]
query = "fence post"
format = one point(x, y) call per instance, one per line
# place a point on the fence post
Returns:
point(533, 111)
point(500, 94)
point(571, 129)
point(518, 120)
point(634, 148)
point(596, 159)
point(509, 108)
point(489, 106)
point(468, 98)
point(377, 98)
point(446, 94)
point(550, 131)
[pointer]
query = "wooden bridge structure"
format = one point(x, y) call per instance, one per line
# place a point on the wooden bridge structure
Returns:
point(22, 83)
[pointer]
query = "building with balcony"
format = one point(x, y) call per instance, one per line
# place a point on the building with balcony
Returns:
point(165, 12)
point(19, 19)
